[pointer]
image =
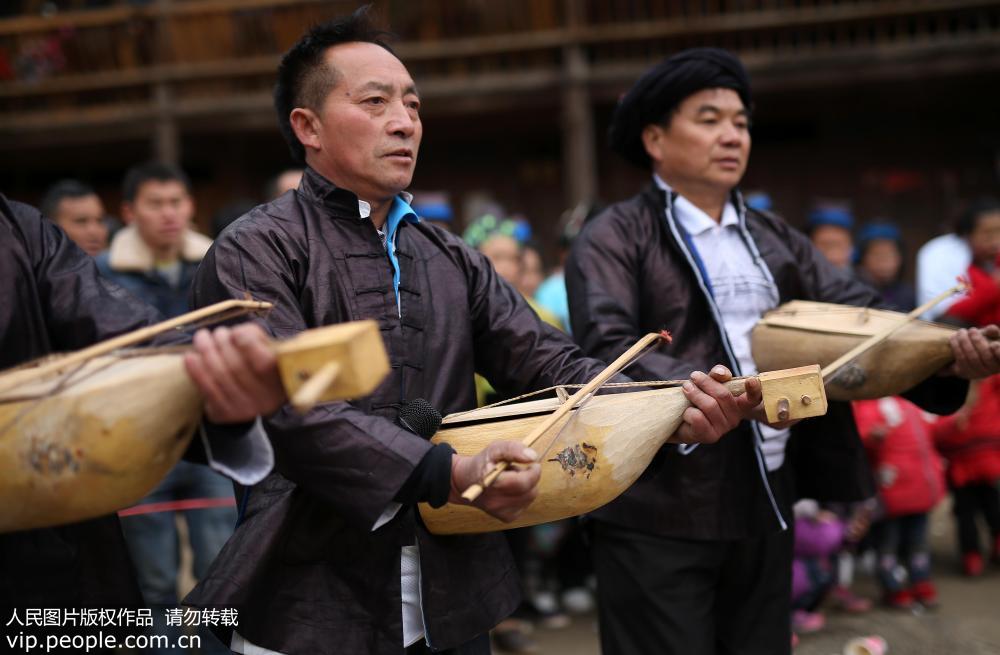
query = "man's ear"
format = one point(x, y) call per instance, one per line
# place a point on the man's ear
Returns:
point(307, 128)
point(652, 141)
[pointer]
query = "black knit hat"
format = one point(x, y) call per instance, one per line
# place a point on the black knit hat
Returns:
point(663, 87)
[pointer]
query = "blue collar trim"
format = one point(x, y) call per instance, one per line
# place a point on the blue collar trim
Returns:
point(399, 211)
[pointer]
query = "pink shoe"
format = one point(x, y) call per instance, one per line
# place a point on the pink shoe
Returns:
point(805, 623)
point(846, 600)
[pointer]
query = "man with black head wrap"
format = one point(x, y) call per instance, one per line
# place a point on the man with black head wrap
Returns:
point(696, 556)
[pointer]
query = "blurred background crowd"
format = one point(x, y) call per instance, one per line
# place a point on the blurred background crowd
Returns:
point(144, 127)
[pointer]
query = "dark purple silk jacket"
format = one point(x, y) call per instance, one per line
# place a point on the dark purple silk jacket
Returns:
point(305, 568)
point(52, 299)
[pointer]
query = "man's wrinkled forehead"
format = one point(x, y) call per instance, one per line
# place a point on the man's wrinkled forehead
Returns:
point(360, 65)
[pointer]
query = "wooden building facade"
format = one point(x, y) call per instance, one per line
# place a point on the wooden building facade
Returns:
point(889, 104)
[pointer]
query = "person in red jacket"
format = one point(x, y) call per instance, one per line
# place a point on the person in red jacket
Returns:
point(970, 441)
point(910, 480)
point(980, 225)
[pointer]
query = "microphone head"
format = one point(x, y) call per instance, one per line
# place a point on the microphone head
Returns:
point(419, 417)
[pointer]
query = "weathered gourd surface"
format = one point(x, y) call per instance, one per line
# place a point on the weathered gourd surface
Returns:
point(802, 332)
point(600, 449)
point(72, 451)
point(606, 447)
point(84, 436)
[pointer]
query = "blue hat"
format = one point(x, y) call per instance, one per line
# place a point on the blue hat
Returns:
point(834, 215)
point(434, 208)
point(522, 230)
point(435, 212)
point(759, 200)
point(879, 230)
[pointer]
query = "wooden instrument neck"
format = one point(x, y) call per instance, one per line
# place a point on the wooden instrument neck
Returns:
point(793, 393)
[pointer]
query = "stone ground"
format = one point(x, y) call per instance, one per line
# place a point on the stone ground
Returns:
point(967, 623)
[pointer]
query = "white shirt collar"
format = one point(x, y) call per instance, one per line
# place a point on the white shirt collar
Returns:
point(694, 220)
point(365, 209)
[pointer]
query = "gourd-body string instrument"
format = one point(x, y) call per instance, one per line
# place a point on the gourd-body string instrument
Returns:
point(865, 353)
point(594, 447)
point(91, 432)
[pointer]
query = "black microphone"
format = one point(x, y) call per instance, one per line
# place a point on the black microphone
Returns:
point(430, 481)
point(419, 417)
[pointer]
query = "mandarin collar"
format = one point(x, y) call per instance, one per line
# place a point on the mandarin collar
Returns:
point(341, 202)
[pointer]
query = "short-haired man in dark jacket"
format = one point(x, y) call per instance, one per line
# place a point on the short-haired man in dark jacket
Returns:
point(331, 556)
point(696, 556)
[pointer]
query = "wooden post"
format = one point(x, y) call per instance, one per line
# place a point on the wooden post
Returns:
point(579, 149)
point(166, 138)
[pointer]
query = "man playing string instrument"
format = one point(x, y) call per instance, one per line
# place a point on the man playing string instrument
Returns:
point(52, 299)
point(330, 556)
point(695, 557)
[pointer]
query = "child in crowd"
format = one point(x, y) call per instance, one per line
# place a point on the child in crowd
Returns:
point(818, 535)
point(910, 480)
point(830, 228)
point(970, 439)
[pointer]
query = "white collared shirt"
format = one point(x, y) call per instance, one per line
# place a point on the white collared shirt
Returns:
point(742, 288)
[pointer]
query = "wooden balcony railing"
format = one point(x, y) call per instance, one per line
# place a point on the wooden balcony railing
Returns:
point(131, 62)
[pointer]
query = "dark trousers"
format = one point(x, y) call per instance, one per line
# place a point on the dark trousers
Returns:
point(573, 562)
point(478, 646)
point(970, 500)
point(678, 596)
point(902, 540)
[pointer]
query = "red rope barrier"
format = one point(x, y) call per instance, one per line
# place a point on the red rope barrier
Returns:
point(178, 506)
